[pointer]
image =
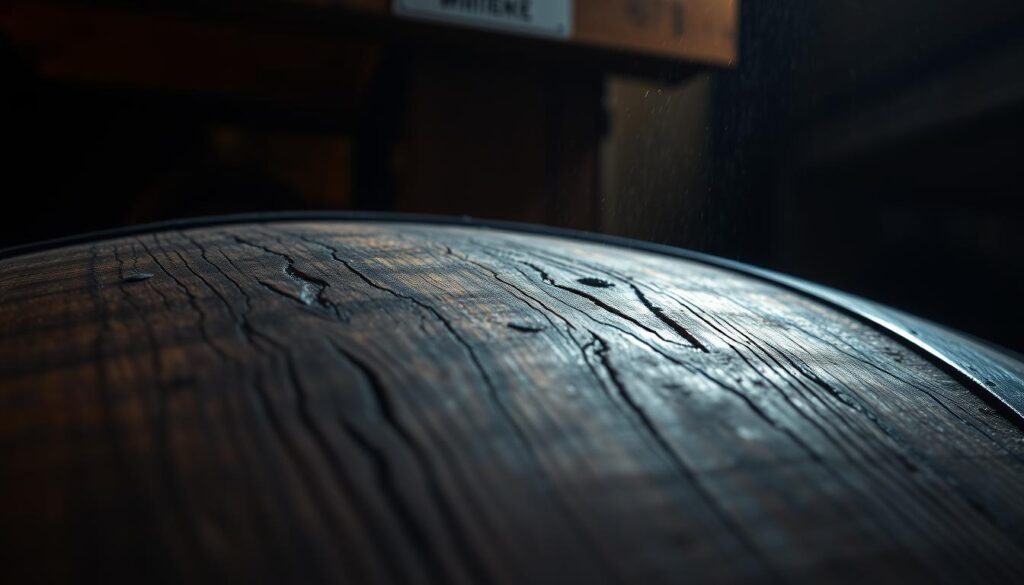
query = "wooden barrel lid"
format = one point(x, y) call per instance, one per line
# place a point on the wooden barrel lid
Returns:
point(378, 402)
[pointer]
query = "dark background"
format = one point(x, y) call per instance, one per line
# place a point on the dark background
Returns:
point(872, 145)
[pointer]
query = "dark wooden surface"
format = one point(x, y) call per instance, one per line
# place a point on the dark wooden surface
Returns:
point(361, 402)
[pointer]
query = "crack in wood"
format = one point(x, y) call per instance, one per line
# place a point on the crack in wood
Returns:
point(594, 282)
point(672, 323)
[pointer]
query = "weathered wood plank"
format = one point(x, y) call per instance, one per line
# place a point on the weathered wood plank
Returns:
point(410, 403)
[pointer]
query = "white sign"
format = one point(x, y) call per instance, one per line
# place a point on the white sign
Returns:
point(549, 18)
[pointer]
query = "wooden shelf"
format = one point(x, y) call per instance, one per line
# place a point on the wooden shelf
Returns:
point(288, 47)
point(692, 30)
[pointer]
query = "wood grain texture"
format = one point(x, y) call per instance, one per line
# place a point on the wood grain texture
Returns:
point(375, 403)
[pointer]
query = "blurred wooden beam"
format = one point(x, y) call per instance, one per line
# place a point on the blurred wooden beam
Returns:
point(112, 47)
point(702, 31)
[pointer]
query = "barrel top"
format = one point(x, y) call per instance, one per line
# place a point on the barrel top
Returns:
point(399, 401)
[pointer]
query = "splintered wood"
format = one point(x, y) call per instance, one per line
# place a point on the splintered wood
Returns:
point(378, 403)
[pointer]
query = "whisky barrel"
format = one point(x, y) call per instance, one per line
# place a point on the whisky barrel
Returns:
point(367, 400)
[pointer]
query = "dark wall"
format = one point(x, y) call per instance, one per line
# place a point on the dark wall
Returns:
point(878, 146)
